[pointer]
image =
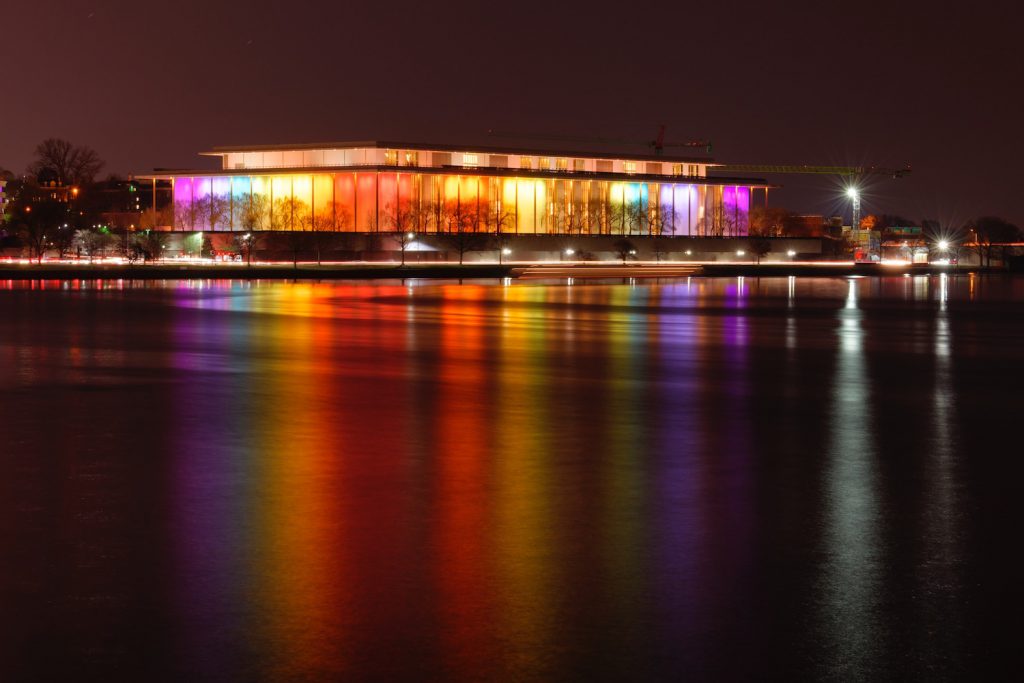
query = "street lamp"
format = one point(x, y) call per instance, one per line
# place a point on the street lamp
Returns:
point(854, 194)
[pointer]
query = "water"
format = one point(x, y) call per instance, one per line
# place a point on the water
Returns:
point(709, 479)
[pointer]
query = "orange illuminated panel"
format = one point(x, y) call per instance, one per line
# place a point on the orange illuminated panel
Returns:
point(323, 198)
point(366, 202)
point(345, 201)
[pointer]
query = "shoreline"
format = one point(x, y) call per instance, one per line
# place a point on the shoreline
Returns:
point(391, 271)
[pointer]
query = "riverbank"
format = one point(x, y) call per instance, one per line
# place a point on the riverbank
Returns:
point(360, 271)
point(372, 271)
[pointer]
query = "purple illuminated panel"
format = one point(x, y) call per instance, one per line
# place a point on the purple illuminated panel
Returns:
point(735, 211)
point(730, 212)
point(182, 190)
point(743, 207)
point(200, 187)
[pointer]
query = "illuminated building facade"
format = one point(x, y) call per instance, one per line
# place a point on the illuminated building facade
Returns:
point(398, 187)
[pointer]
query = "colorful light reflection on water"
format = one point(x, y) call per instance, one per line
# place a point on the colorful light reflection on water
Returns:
point(482, 481)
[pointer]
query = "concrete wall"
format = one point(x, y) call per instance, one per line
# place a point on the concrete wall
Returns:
point(432, 248)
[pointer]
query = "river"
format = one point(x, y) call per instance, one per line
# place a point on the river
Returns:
point(713, 478)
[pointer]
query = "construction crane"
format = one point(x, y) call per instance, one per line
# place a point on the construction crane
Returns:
point(820, 170)
point(658, 144)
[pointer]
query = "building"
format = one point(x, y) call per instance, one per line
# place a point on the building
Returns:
point(904, 243)
point(400, 187)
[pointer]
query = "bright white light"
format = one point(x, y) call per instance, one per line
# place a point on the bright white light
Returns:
point(688, 252)
point(632, 251)
point(852, 192)
point(411, 235)
point(570, 251)
point(740, 252)
point(791, 253)
point(943, 245)
point(506, 251)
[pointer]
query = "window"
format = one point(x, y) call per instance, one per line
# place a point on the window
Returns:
point(654, 168)
point(604, 166)
point(390, 157)
point(579, 164)
point(545, 164)
point(469, 160)
point(411, 159)
point(525, 162)
point(629, 166)
point(499, 161)
point(677, 169)
point(562, 164)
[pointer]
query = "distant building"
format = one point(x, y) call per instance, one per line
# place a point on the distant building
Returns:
point(805, 226)
point(394, 187)
point(904, 243)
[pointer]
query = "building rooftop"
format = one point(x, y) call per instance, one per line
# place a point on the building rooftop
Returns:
point(421, 146)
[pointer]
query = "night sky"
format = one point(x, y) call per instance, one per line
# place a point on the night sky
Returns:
point(151, 84)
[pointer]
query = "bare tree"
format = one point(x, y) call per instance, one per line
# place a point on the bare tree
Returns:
point(63, 239)
point(734, 222)
point(297, 242)
point(636, 218)
point(322, 224)
point(253, 211)
point(34, 217)
point(290, 214)
point(759, 247)
point(247, 244)
point(989, 235)
point(769, 221)
point(401, 218)
point(461, 223)
point(625, 249)
point(597, 215)
point(714, 221)
point(498, 218)
point(35, 234)
point(152, 243)
point(70, 164)
point(212, 211)
point(464, 242)
point(449, 217)
point(501, 243)
point(575, 218)
point(188, 215)
point(405, 240)
point(93, 242)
